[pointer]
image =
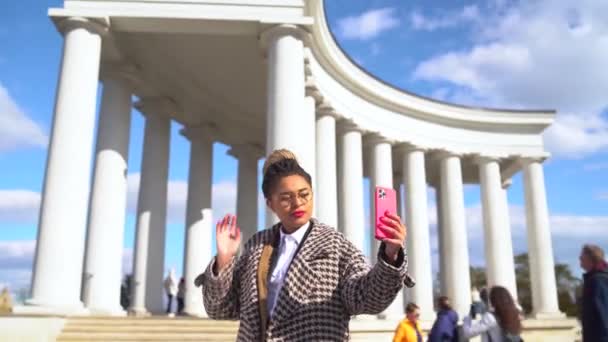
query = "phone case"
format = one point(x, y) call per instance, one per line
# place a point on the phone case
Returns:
point(385, 199)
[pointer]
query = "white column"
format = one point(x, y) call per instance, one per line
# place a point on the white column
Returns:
point(540, 249)
point(500, 265)
point(103, 261)
point(382, 175)
point(418, 241)
point(351, 179)
point(199, 221)
point(149, 256)
point(286, 115)
point(443, 285)
point(247, 188)
point(307, 138)
point(454, 234)
point(327, 184)
point(57, 275)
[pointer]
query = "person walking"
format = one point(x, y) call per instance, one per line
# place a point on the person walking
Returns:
point(594, 308)
point(409, 328)
point(445, 328)
point(170, 286)
point(181, 291)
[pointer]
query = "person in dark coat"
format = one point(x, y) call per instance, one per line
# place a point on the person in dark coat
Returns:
point(594, 311)
point(445, 327)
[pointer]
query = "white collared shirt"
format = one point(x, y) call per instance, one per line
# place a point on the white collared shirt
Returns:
point(287, 249)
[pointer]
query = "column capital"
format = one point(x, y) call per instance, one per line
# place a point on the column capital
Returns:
point(326, 109)
point(125, 72)
point(375, 139)
point(408, 147)
point(525, 160)
point(201, 132)
point(246, 151)
point(481, 159)
point(157, 105)
point(442, 154)
point(346, 125)
point(99, 26)
point(312, 90)
point(276, 31)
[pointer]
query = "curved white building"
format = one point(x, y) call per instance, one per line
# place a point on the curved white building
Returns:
point(259, 75)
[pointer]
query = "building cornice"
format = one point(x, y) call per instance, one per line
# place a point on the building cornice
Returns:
point(331, 57)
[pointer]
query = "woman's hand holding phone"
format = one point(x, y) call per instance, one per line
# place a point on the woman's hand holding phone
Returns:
point(395, 234)
point(228, 240)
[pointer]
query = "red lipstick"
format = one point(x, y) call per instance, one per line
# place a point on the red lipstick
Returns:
point(298, 213)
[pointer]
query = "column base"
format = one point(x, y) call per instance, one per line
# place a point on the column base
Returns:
point(548, 315)
point(192, 313)
point(35, 308)
point(139, 312)
point(115, 312)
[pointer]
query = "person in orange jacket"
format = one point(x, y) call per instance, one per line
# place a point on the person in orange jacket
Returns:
point(409, 328)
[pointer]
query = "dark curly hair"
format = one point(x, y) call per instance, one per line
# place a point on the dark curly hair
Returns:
point(279, 164)
point(507, 314)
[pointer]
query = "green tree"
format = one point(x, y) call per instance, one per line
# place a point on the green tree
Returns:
point(478, 277)
point(568, 289)
point(522, 278)
point(568, 286)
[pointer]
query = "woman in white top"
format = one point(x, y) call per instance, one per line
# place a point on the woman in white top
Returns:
point(501, 324)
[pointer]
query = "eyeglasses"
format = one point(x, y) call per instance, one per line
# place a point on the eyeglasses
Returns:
point(287, 200)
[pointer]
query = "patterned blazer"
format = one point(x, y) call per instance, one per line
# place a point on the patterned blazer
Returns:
point(327, 282)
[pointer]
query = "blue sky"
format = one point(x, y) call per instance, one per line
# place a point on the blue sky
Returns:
point(507, 54)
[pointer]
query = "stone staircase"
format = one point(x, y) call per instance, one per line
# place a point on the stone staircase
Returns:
point(184, 329)
point(157, 328)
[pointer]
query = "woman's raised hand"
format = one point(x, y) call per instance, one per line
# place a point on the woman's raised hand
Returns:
point(227, 239)
point(396, 234)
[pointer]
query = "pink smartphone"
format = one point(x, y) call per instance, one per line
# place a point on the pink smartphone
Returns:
point(385, 199)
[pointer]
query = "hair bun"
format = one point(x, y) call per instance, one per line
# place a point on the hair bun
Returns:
point(277, 156)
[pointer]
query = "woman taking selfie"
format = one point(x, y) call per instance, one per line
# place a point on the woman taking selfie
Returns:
point(501, 324)
point(299, 280)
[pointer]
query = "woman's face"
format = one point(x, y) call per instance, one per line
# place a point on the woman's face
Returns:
point(292, 201)
point(586, 262)
point(413, 316)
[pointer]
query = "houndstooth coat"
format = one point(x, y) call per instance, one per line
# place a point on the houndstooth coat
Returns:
point(328, 281)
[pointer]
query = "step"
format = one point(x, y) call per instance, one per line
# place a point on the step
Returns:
point(159, 328)
point(155, 322)
point(110, 336)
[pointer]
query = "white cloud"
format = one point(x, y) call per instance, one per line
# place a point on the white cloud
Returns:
point(17, 254)
point(16, 260)
point(19, 206)
point(576, 136)
point(602, 196)
point(368, 25)
point(538, 54)
point(16, 129)
point(426, 23)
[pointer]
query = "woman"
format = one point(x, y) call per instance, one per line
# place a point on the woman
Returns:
point(501, 323)
point(181, 292)
point(445, 327)
point(299, 280)
point(409, 328)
